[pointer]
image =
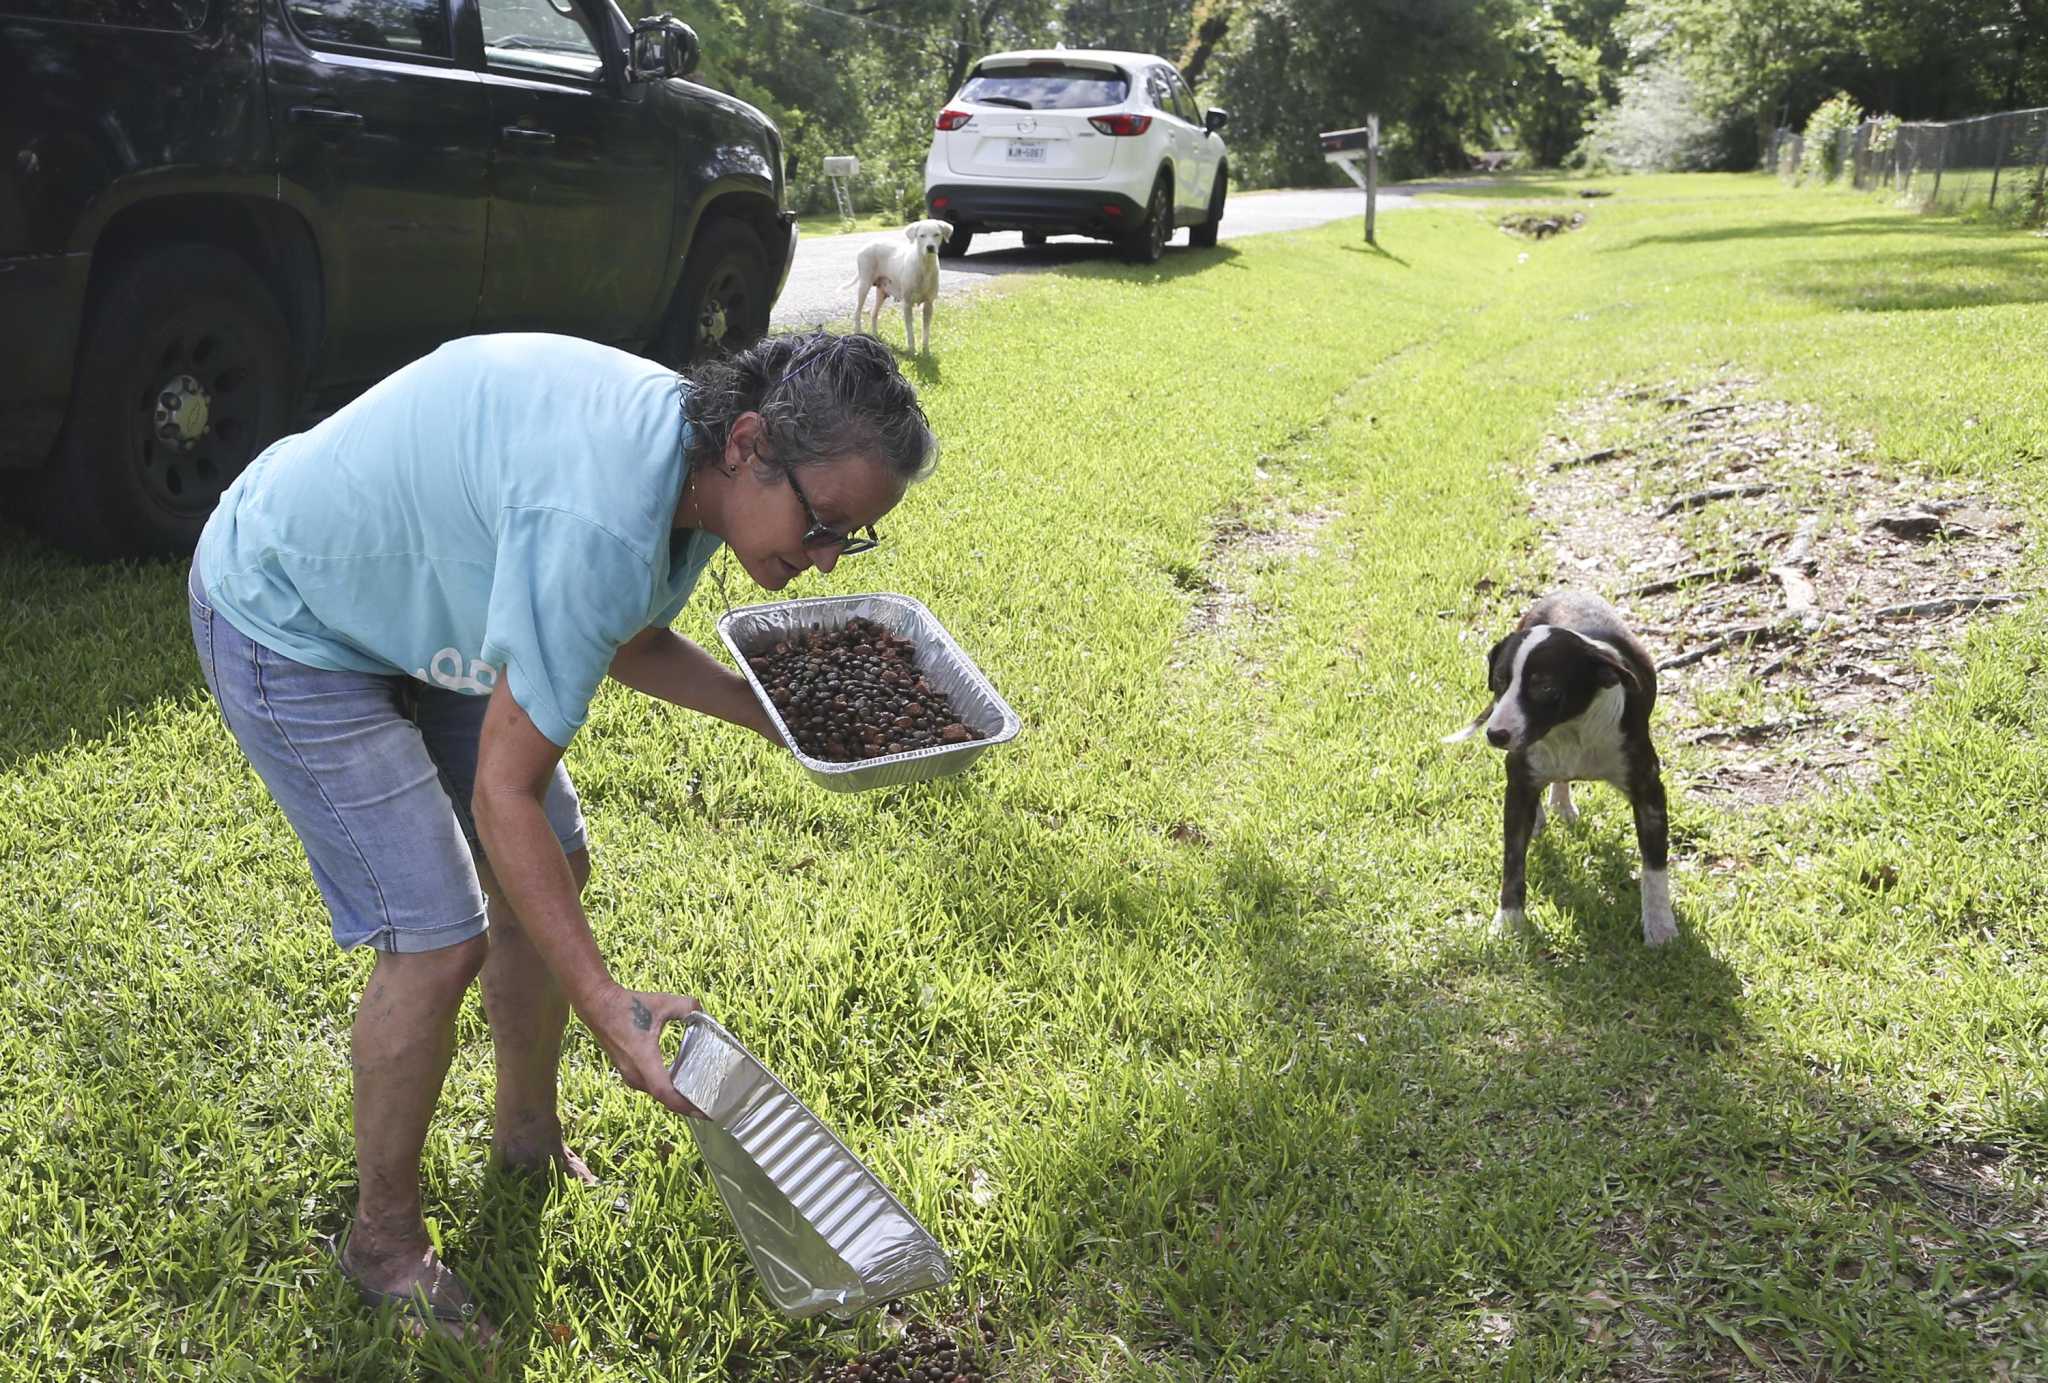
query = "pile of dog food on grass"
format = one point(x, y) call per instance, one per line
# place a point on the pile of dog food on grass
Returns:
point(1789, 583)
point(922, 1354)
point(856, 693)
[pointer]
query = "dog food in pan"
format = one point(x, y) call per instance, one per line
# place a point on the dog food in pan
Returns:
point(855, 693)
point(953, 687)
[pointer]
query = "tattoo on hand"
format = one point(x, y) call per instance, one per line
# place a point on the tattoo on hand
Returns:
point(643, 1017)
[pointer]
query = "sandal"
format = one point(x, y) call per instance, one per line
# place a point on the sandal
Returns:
point(443, 1302)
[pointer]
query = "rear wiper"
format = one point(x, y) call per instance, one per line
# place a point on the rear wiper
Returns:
point(1005, 101)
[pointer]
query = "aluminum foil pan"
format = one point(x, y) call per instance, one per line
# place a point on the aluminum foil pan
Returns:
point(939, 659)
point(824, 1233)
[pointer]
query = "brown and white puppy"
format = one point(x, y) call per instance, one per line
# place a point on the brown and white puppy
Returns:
point(1572, 692)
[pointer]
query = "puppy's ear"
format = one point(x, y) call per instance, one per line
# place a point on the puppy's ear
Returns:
point(1493, 660)
point(945, 229)
point(910, 231)
point(1611, 656)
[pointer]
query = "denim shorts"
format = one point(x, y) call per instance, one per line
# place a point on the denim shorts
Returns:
point(374, 772)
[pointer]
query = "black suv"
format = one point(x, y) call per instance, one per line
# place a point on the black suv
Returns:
point(218, 217)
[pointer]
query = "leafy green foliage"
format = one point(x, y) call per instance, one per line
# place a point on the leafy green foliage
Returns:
point(1822, 156)
point(1624, 83)
point(1571, 61)
point(1291, 68)
point(1659, 125)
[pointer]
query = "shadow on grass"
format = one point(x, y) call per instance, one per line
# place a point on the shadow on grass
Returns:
point(1928, 281)
point(1875, 226)
point(1598, 890)
point(1380, 1151)
point(84, 644)
point(1969, 265)
point(1376, 251)
point(1095, 259)
point(1505, 185)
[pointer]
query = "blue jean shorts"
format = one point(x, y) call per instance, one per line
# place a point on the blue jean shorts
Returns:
point(375, 774)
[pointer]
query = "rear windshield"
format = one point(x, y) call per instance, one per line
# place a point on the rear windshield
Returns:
point(1047, 86)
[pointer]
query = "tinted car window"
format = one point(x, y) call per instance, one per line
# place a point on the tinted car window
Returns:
point(411, 28)
point(1184, 100)
point(549, 36)
point(126, 14)
point(1047, 86)
point(1157, 89)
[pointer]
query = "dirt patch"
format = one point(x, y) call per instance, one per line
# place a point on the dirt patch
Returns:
point(1536, 225)
point(1235, 549)
point(1794, 589)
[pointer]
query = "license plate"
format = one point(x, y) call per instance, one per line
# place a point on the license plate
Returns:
point(1023, 152)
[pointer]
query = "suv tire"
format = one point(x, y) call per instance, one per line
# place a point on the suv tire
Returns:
point(1147, 243)
point(955, 245)
point(1203, 236)
point(183, 376)
point(722, 304)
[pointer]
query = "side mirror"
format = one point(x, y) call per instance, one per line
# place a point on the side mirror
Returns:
point(1216, 119)
point(664, 46)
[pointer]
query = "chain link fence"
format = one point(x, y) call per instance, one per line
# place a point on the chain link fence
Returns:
point(1992, 161)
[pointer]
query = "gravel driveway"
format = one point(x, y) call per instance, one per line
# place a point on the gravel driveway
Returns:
point(820, 282)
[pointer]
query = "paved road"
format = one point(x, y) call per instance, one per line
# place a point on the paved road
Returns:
point(819, 287)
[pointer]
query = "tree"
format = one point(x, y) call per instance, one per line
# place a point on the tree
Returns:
point(1751, 56)
point(1288, 69)
point(1570, 56)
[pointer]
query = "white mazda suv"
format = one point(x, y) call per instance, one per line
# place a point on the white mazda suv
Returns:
point(1071, 141)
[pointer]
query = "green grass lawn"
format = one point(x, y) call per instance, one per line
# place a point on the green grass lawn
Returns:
point(828, 223)
point(1176, 1020)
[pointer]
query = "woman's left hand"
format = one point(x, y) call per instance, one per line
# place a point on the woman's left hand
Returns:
point(627, 1024)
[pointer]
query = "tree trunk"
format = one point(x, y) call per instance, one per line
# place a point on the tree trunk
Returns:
point(1211, 24)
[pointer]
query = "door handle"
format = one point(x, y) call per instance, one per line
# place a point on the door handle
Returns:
point(528, 136)
point(326, 119)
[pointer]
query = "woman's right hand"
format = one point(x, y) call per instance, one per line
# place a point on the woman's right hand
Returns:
point(628, 1024)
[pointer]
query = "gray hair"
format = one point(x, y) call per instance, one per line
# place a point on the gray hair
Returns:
point(821, 397)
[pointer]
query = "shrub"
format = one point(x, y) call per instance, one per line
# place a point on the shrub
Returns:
point(1825, 133)
point(1660, 125)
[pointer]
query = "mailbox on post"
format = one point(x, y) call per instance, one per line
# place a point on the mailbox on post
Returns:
point(839, 168)
point(1357, 152)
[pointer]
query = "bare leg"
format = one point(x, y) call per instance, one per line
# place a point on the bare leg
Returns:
point(403, 1040)
point(527, 1013)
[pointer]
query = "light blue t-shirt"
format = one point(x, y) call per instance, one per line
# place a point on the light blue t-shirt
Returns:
point(506, 502)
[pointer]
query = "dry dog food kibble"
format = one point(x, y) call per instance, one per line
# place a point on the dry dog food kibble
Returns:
point(855, 693)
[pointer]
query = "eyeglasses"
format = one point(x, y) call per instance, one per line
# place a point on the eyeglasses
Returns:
point(821, 535)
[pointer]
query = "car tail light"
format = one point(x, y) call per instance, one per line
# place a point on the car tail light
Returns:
point(1112, 209)
point(1121, 124)
point(953, 119)
point(941, 203)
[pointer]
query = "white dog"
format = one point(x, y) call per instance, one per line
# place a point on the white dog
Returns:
point(909, 272)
